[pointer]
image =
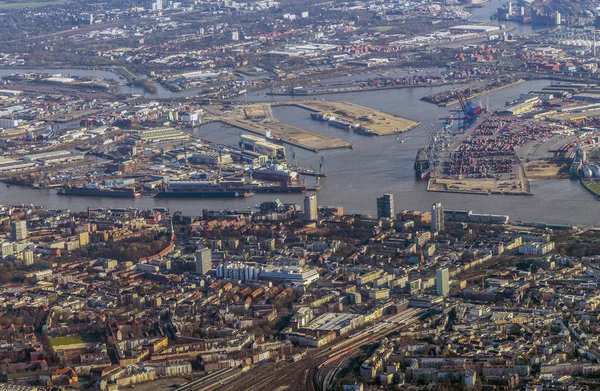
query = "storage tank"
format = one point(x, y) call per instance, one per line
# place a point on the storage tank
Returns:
point(586, 171)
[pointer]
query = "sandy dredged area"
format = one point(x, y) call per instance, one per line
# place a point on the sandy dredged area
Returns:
point(375, 120)
point(545, 170)
point(259, 118)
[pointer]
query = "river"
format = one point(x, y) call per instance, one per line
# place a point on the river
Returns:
point(482, 15)
point(375, 166)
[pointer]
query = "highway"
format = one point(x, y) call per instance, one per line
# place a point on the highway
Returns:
point(320, 369)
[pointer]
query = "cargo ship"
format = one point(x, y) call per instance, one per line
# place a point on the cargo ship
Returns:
point(364, 131)
point(422, 169)
point(199, 189)
point(203, 193)
point(338, 123)
point(280, 189)
point(93, 190)
point(275, 173)
point(319, 117)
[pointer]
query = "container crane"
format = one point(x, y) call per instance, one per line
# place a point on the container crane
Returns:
point(468, 113)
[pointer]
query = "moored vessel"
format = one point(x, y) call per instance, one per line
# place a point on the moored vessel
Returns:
point(422, 169)
point(94, 190)
point(199, 189)
point(364, 131)
point(318, 116)
point(275, 173)
point(340, 124)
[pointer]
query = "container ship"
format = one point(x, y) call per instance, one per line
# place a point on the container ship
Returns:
point(93, 190)
point(422, 169)
point(338, 123)
point(199, 189)
point(275, 173)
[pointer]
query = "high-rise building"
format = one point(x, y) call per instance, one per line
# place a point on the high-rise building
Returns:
point(28, 257)
point(385, 206)
point(18, 230)
point(203, 260)
point(437, 217)
point(311, 208)
point(442, 282)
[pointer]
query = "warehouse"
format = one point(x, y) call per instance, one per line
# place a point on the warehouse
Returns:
point(13, 165)
point(468, 28)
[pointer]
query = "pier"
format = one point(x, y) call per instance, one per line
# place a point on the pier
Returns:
point(289, 134)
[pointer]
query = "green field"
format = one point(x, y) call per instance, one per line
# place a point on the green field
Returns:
point(595, 187)
point(5, 5)
point(73, 340)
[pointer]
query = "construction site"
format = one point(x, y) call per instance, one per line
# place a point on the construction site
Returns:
point(259, 119)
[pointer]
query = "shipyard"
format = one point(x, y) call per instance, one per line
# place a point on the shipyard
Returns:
point(171, 164)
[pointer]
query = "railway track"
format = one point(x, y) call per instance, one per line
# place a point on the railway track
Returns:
point(320, 370)
point(211, 381)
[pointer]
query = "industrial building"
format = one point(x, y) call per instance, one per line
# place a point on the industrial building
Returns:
point(249, 142)
point(161, 134)
point(46, 155)
point(211, 157)
point(8, 123)
point(520, 108)
point(470, 217)
point(340, 323)
point(471, 28)
point(13, 165)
